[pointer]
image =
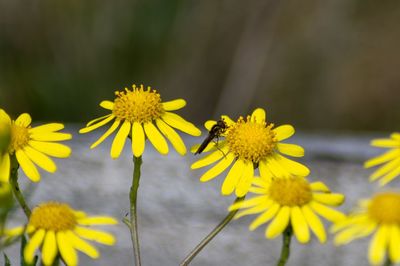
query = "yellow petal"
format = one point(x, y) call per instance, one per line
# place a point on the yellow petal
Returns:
point(283, 132)
point(279, 224)
point(210, 158)
point(66, 248)
point(354, 231)
point(138, 139)
point(378, 244)
point(248, 203)
point(265, 217)
point(156, 138)
point(290, 149)
point(387, 156)
point(227, 120)
point(232, 178)
point(83, 246)
point(299, 224)
point(319, 186)
point(172, 136)
point(293, 167)
point(33, 244)
point(119, 140)
point(16, 231)
point(50, 148)
point(5, 117)
point(91, 122)
point(265, 173)
point(326, 212)
point(97, 125)
point(24, 120)
point(52, 127)
point(245, 180)
point(95, 235)
point(178, 122)
point(27, 166)
point(174, 105)
point(49, 249)
point(394, 243)
point(109, 131)
point(97, 220)
point(50, 136)
point(274, 167)
point(4, 167)
point(387, 167)
point(258, 116)
point(209, 124)
point(332, 199)
point(107, 105)
point(218, 168)
point(390, 176)
point(40, 159)
point(385, 143)
point(253, 210)
point(315, 223)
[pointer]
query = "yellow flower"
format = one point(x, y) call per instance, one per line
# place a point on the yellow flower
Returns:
point(32, 145)
point(141, 114)
point(250, 143)
point(379, 216)
point(290, 202)
point(56, 228)
point(390, 159)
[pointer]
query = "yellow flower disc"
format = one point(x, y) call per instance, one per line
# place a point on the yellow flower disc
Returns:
point(294, 191)
point(385, 208)
point(138, 105)
point(251, 141)
point(53, 216)
point(19, 137)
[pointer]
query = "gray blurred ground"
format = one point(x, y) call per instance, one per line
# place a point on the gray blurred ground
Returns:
point(176, 211)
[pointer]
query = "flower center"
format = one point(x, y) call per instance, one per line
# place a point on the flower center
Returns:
point(251, 141)
point(138, 105)
point(294, 191)
point(19, 138)
point(385, 208)
point(53, 216)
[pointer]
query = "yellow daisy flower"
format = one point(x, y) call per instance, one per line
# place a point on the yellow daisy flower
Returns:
point(390, 160)
point(250, 143)
point(290, 202)
point(140, 114)
point(32, 145)
point(379, 216)
point(56, 228)
point(5, 138)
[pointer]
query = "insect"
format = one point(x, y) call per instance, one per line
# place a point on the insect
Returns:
point(214, 132)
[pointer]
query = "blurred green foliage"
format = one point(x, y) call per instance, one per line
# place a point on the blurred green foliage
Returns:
point(315, 64)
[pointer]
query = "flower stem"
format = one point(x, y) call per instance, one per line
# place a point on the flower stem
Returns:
point(285, 252)
point(388, 262)
point(210, 236)
point(137, 161)
point(15, 187)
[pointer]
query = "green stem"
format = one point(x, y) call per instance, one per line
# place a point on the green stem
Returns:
point(285, 252)
point(137, 161)
point(15, 187)
point(210, 236)
point(388, 262)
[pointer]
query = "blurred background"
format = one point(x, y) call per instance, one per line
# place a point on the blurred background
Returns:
point(319, 65)
point(315, 64)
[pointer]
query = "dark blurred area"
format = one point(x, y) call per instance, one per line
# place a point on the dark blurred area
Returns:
point(315, 64)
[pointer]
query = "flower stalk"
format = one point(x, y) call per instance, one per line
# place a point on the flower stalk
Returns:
point(285, 252)
point(137, 161)
point(15, 187)
point(210, 236)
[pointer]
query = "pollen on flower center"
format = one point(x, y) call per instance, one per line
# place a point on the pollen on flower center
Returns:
point(385, 208)
point(53, 216)
point(294, 191)
point(251, 141)
point(19, 138)
point(138, 105)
